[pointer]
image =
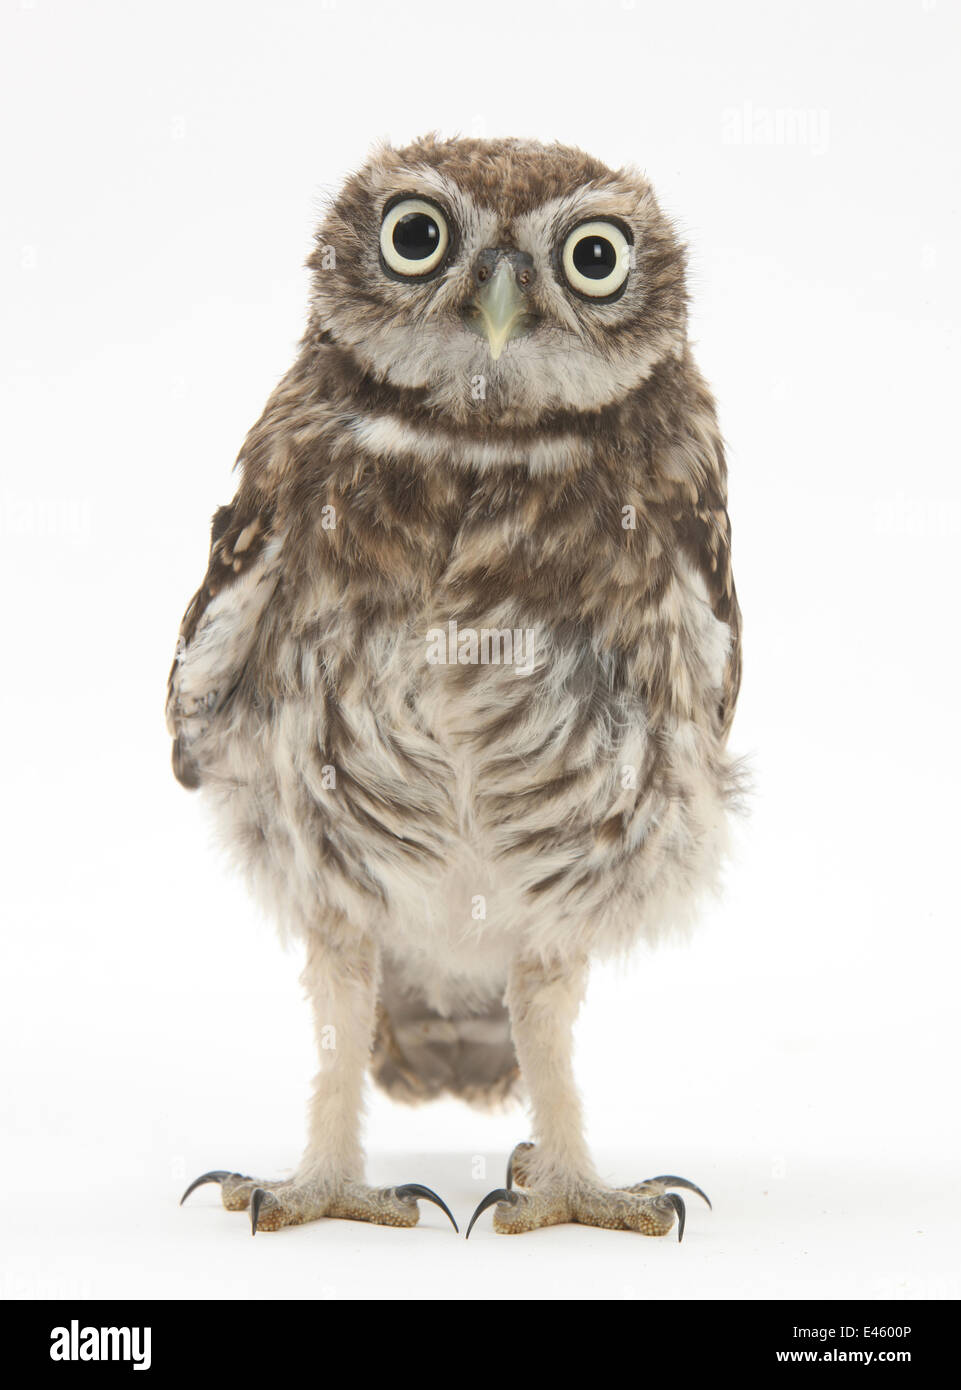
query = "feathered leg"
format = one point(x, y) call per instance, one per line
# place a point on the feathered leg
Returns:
point(544, 1001)
point(556, 1177)
point(341, 980)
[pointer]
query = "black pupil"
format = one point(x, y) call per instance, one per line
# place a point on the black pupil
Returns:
point(595, 257)
point(416, 236)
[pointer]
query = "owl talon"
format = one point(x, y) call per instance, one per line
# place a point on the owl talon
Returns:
point(678, 1204)
point(670, 1180)
point(217, 1175)
point(554, 1198)
point(499, 1194)
point(258, 1198)
point(657, 1187)
point(412, 1191)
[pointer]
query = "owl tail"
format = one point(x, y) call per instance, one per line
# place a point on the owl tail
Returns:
point(420, 1055)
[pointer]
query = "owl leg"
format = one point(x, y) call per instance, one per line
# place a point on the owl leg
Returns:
point(552, 1181)
point(341, 980)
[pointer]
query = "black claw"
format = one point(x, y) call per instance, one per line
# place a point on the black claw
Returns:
point(673, 1181)
point(257, 1201)
point(499, 1194)
point(413, 1190)
point(678, 1204)
point(215, 1175)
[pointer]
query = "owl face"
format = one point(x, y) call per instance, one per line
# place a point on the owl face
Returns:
point(504, 278)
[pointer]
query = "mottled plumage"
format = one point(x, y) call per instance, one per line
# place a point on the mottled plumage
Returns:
point(455, 841)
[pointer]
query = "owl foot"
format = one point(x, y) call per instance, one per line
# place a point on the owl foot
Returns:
point(273, 1205)
point(647, 1207)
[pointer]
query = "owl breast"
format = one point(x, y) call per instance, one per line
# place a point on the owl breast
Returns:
point(464, 786)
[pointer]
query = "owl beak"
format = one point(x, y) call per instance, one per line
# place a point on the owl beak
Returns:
point(502, 307)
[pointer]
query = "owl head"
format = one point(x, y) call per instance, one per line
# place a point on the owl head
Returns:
point(504, 277)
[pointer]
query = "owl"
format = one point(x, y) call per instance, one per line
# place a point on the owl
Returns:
point(458, 681)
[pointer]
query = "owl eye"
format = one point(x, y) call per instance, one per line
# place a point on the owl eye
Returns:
point(596, 259)
point(413, 237)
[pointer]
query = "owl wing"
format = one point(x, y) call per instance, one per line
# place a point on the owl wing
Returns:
point(706, 538)
point(218, 629)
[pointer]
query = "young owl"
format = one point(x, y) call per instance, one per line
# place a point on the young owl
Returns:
point(459, 678)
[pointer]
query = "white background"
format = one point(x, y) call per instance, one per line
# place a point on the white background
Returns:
point(163, 167)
